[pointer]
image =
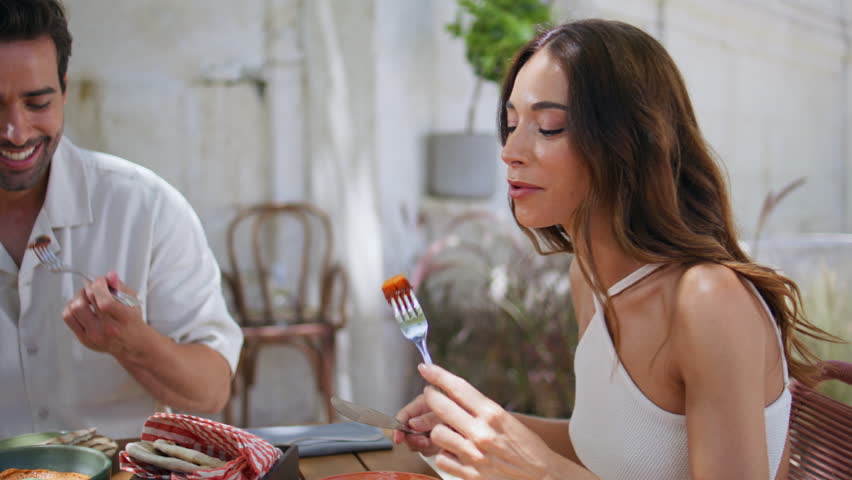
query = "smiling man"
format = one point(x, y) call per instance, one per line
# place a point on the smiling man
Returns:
point(71, 354)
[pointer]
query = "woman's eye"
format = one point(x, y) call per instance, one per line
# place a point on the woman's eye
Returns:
point(550, 133)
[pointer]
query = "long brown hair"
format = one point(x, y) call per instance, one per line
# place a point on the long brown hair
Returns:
point(632, 123)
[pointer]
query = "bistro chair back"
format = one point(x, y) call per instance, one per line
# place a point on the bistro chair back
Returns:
point(285, 290)
point(821, 429)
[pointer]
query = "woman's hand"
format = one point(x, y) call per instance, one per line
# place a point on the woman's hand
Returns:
point(417, 416)
point(482, 440)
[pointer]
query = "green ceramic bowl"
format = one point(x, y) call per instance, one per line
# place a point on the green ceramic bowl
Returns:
point(61, 458)
point(28, 439)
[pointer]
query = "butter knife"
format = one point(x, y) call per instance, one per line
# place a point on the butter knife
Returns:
point(368, 416)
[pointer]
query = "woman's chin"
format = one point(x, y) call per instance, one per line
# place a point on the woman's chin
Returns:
point(531, 221)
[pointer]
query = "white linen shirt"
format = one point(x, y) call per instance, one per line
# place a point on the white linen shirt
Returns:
point(103, 213)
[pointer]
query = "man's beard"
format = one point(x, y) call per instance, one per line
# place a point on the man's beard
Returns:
point(26, 180)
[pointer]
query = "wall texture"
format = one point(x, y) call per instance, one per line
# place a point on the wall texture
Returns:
point(330, 101)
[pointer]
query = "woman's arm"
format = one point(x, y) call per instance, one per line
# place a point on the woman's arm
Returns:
point(554, 432)
point(719, 336)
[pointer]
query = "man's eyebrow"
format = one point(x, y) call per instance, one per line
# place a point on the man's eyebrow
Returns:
point(39, 92)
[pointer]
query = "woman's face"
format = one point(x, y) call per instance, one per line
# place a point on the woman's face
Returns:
point(547, 179)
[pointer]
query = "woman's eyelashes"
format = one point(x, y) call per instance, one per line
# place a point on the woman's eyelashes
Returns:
point(544, 131)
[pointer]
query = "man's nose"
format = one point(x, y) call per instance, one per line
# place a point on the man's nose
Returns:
point(14, 126)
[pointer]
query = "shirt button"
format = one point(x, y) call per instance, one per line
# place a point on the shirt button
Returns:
point(32, 350)
point(43, 413)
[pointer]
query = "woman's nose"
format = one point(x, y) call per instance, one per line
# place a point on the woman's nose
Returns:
point(514, 151)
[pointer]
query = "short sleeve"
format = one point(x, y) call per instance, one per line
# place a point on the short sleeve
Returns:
point(185, 300)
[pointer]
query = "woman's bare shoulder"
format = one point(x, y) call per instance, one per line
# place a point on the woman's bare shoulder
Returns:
point(716, 313)
point(712, 289)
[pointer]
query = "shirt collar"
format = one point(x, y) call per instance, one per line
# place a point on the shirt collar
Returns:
point(68, 202)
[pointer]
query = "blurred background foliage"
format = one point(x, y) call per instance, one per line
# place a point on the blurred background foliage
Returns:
point(500, 314)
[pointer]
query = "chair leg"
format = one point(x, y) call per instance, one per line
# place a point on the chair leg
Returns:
point(248, 377)
point(227, 412)
point(328, 361)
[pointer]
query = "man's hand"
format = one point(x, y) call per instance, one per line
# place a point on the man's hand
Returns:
point(100, 321)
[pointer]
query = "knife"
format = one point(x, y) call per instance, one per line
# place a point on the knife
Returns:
point(368, 416)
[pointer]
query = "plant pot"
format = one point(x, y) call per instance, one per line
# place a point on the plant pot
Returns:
point(462, 165)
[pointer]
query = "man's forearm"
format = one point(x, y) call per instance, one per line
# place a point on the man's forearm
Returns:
point(191, 377)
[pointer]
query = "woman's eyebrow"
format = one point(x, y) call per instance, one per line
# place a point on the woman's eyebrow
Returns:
point(543, 105)
point(548, 105)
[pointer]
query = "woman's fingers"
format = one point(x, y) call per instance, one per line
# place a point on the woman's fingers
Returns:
point(425, 422)
point(422, 444)
point(451, 441)
point(415, 408)
point(458, 389)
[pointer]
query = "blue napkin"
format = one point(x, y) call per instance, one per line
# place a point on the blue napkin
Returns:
point(326, 439)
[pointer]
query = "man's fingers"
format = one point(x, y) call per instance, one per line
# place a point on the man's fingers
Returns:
point(99, 294)
point(117, 284)
point(73, 324)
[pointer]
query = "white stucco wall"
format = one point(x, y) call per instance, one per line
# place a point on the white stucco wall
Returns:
point(330, 101)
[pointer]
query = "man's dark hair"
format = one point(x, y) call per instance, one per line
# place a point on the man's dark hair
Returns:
point(30, 19)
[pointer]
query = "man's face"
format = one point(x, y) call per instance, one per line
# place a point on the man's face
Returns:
point(31, 112)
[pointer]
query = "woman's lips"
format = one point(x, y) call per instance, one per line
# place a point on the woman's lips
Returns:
point(20, 159)
point(522, 189)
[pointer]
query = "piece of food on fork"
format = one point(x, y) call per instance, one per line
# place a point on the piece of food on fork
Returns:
point(396, 286)
point(410, 317)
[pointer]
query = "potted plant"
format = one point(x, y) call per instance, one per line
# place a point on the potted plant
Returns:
point(464, 164)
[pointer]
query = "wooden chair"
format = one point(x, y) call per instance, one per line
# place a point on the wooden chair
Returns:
point(821, 430)
point(285, 291)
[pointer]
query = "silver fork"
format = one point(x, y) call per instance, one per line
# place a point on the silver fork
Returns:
point(54, 264)
point(409, 315)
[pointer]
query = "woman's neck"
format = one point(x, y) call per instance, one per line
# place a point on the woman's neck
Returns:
point(611, 261)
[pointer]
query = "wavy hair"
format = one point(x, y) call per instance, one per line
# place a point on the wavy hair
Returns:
point(633, 125)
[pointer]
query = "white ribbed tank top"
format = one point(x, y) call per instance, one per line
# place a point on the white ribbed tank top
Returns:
point(618, 433)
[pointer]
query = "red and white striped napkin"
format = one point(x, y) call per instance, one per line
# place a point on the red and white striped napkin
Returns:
point(250, 456)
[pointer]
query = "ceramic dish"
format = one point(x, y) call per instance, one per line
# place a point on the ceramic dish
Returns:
point(28, 439)
point(61, 458)
point(379, 476)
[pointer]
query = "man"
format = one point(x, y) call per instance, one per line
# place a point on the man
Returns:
point(71, 354)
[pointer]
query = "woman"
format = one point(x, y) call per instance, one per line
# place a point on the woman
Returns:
point(685, 344)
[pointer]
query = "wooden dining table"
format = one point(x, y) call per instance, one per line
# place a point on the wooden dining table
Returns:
point(397, 459)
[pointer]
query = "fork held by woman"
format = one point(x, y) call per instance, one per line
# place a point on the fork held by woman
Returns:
point(410, 317)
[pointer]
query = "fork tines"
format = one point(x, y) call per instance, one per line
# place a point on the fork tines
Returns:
point(41, 248)
point(397, 292)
